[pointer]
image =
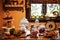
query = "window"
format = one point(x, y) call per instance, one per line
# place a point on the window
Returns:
point(38, 9)
point(53, 7)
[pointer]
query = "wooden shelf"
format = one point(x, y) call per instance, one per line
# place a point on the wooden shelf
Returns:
point(14, 5)
point(45, 20)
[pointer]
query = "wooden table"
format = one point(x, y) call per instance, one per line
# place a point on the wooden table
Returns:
point(29, 39)
point(40, 38)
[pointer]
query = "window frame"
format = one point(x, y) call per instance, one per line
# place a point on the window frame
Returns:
point(44, 9)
